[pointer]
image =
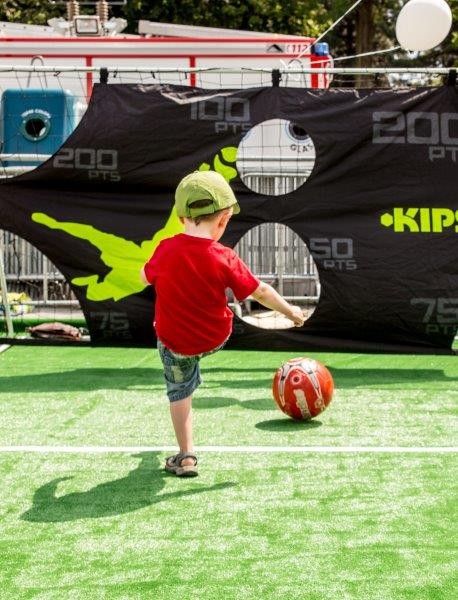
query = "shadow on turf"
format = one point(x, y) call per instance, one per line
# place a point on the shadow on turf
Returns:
point(287, 424)
point(87, 379)
point(139, 489)
point(199, 402)
point(354, 378)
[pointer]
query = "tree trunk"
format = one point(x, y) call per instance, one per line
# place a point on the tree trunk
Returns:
point(365, 32)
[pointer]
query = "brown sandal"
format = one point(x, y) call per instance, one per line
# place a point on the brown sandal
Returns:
point(173, 465)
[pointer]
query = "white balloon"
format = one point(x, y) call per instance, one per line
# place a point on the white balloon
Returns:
point(423, 24)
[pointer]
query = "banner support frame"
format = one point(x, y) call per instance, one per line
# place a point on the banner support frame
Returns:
point(4, 296)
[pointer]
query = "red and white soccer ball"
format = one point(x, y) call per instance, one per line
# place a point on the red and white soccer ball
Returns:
point(303, 388)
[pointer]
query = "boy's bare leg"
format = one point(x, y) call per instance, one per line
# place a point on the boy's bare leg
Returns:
point(181, 413)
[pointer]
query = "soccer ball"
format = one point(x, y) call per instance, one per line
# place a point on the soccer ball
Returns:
point(302, 388)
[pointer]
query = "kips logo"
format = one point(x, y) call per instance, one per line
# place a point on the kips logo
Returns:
point(421, 220)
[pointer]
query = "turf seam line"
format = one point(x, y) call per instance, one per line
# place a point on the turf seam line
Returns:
point(236, 449)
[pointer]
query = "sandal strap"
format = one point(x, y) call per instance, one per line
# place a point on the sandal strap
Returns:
point(176, 460)
point(189, 455)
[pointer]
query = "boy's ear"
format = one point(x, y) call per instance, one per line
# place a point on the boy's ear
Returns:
point(224, 219)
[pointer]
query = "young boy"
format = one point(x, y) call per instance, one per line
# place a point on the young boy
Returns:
point(191, 272)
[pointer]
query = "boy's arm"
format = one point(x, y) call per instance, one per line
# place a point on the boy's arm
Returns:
point(268, 297)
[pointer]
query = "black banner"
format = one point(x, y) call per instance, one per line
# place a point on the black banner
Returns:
point(379, 212)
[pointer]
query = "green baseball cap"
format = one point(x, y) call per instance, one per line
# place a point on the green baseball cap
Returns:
point(204, 185)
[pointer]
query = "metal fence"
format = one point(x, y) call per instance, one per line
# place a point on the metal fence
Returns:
point(29, 270)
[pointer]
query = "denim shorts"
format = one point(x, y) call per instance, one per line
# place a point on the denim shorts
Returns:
point(181, 372)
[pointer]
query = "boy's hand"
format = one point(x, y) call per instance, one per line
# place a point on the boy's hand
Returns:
point(297, 316)
point(270, 298)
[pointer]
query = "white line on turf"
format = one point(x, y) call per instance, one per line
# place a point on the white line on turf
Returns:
point(4, 347)
point(240, 449)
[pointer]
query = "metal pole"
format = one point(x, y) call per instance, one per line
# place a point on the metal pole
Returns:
point(281, 258)
point(4, 296)
point(186, 70)
point(45, 279)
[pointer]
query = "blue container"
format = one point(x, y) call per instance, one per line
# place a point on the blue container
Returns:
point(36, 121)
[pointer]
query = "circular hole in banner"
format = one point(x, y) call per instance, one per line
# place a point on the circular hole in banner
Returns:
point(278, 256)
point(276, 157)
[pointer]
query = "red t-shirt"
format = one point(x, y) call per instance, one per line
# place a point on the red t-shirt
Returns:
point(190, 276)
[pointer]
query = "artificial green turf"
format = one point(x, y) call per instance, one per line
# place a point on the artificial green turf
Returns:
point(261, 526)
point(278, 526)
point(116, 397)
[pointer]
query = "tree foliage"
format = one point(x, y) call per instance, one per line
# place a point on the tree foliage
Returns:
point(369, 27)
point(28, 11)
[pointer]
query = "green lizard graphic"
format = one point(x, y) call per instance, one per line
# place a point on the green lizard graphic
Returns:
point(125, 257)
